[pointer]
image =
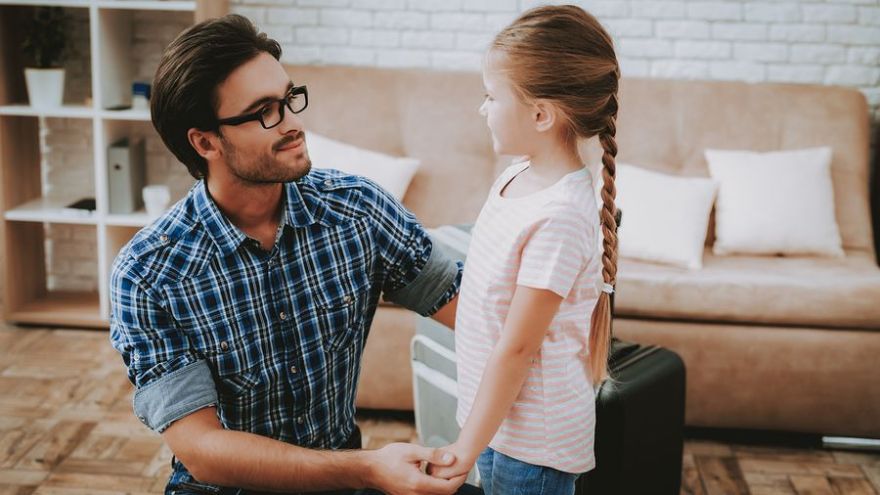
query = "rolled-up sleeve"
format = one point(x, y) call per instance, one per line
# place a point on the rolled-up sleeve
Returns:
point(418, 276)
point(170, 381)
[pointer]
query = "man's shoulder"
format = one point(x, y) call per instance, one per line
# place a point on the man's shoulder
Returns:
point(167, 248)
point(332, 182)
point(349, 195)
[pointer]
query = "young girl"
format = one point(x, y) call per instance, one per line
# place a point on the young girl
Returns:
point(533, 319)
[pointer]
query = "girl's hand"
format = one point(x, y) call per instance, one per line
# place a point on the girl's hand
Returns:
point(464, 462)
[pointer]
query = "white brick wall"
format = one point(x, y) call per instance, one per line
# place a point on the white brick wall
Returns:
point(800, 41)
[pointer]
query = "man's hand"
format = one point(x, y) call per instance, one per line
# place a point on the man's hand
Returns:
point(464, 462)
point(396, 469)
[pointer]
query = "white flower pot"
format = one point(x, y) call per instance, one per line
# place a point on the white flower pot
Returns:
point(45, 87)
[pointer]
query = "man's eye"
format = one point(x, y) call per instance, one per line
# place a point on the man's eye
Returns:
point(266, 110)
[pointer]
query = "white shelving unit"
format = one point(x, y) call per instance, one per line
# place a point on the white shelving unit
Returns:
point(24, 212)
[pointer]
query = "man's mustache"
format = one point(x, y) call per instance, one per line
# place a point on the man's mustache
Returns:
point(287, 140)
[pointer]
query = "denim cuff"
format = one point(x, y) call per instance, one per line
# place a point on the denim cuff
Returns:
point(175, 395)
point(425, 294)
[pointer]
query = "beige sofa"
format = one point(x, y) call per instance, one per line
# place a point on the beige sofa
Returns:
point(769, 342)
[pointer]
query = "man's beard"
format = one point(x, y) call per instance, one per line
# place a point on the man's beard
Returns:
point(265, 168)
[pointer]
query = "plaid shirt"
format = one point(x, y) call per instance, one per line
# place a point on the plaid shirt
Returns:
point(203, 316)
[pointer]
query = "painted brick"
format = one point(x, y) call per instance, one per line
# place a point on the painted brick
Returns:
point(712, 50)
point(739, 31)
point(818, 54)
point(346, 18)
point(682, 29)
point(762, 52)
point(797, 32)
point(715, 11)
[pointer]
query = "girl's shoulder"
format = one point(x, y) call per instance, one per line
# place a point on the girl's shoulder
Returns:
point(517, 166)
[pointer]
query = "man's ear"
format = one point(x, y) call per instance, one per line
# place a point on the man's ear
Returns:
point(206, 143)
point(545, 114)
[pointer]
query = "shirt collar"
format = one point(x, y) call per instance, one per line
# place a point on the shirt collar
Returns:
point(296, 212)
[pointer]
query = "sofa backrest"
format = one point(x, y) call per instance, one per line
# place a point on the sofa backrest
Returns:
point(663, 124)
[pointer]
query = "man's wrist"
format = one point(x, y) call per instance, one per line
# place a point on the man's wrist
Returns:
point(363, 468)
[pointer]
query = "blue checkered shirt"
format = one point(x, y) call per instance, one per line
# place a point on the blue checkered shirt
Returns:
point(203, 316)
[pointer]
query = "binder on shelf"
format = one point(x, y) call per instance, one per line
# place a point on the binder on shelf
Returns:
point(125, 176)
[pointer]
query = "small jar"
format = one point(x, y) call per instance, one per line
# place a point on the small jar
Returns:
point(140, 96)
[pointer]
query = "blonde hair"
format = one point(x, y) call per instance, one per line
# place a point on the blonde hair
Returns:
point(562, 54)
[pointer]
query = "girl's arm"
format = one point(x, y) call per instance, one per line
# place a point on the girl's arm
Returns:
point(531, 312)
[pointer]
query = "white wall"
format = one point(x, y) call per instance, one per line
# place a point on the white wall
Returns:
point(808, 41)
point(803, 41)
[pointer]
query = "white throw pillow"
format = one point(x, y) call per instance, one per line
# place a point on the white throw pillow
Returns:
point(392, 173)
point(665, 217)
point(779, 202)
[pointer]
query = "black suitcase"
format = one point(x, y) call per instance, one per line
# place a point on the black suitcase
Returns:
point(639, 424)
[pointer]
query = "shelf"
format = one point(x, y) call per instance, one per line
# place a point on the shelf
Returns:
point(51, 3)
point(49, 283)
point(185, 6)
point(66, 111)
point(51, 211)
point(182, 6)
point(71, 309)
point(136, 219)
point(136, 115)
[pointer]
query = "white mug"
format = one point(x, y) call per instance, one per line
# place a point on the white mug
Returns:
point(156, 199)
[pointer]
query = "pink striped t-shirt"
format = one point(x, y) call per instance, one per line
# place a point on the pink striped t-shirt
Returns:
point(545, 240)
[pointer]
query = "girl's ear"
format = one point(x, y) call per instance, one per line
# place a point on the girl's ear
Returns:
point(206, 143)
point(545, 114)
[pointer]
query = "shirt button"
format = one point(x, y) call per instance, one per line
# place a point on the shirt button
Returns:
point(163, 239)
point(293, 369)
point(282, 315)
point(300, 420)
point(346, 299)
point(328, 182)
point(224, 346)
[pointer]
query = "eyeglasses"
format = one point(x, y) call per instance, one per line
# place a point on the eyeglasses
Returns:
point(271, 114)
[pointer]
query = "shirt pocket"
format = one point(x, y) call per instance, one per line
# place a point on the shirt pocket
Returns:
point(238, 369)
point(340, 319)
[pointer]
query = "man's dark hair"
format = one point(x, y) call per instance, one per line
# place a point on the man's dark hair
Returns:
point(192, 66)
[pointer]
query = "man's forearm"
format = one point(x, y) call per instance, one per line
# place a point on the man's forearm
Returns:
point(446, 314)
point(245, 460)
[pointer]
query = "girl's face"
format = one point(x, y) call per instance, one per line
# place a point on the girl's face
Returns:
point(510, 120)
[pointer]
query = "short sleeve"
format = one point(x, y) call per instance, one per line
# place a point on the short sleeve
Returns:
point(170, 381)
point(556, 251)
point(417, 276)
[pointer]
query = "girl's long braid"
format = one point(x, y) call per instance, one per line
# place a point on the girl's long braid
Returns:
point(600, 331)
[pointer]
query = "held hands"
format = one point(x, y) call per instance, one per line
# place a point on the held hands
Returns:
point(464, 461)
point(397, 470)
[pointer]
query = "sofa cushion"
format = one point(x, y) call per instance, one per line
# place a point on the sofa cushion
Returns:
point(666, 215)
point(809, 291)
point(779, 202)
point(391, 173)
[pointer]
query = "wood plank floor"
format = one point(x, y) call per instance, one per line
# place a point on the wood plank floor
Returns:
point(66, 428)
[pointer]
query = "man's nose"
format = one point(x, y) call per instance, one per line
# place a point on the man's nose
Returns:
point(290, 122)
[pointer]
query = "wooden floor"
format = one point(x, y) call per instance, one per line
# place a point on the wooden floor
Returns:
point(66, 427)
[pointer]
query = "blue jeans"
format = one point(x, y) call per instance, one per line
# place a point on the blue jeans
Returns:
point(504, 475)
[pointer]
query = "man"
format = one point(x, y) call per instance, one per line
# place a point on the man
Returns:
point(241, 313)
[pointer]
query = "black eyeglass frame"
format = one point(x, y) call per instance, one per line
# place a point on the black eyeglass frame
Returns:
point(258, 115)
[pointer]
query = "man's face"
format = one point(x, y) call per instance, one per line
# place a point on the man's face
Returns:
point(252, 153)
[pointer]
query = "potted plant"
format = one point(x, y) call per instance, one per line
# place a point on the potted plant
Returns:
point(45, 46)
